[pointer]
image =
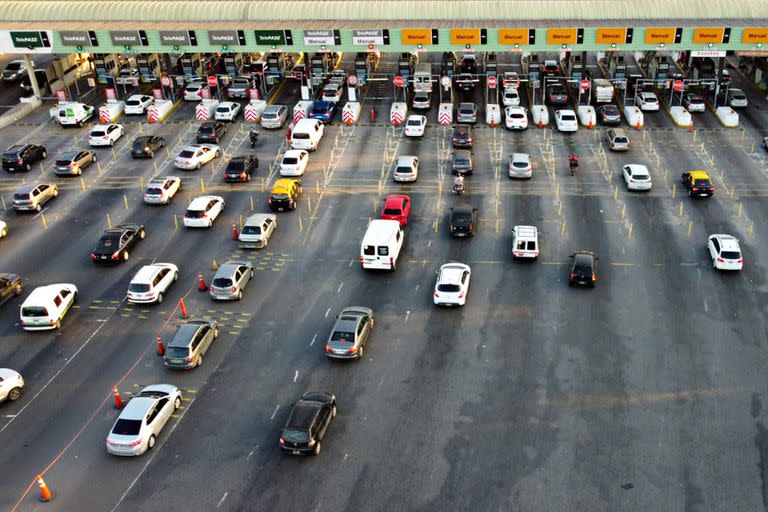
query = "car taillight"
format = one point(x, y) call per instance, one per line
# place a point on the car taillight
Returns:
point(631, 180)
point(50, 322)
point(20, 161)
point(269, 200)
point(711, 189)
point(361, 260)
point(391, 262)
point(741, 260)
point(461, 295)
point(115, 255)
point(93, 256)
point(594, 277)
point(437, 294)
point(571, 276)
point(106, 137)
point(72, 165)
point(352, 350)
point(720, 260)
point(135, 443)
point(695, 189)
point(311, 443)
point(234, 288)
point(188, 359)
point(472, 227)
point(282, 441)
point(242, 175)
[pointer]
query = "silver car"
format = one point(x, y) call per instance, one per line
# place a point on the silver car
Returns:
point(230, 280)
point(274, 116)
point(350, 333)
point(467, 113)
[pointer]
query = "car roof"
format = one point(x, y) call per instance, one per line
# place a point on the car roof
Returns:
point(137, 408)
point(699, 175)
point(160, 179)
point(416, 117)
point(273, 108)
point(517, 157)
point(284, 182)
point(727, 242)
point(637, 168)
point(406, 160)
point(563, 112)
point(582, 257)
point(465, 153)
point(294, 152)
point(462, 128)
point(202, 201)
point(227, 269)
point(68, 154)
point(395, 200)
point(257, 219)
point(462, 209)
point(43, 293)
point(146, 273)
point(303, 413)
point(29, 187)
point(451, 273)
point(526, 231)
point(185, 332)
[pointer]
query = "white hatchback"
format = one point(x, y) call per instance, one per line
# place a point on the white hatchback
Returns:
point(520, 165)
point(511, 97)
point(151, 282)
point(637, 177)
point(406, 169)
point(725, 252)
point(452, 284)
point(415, 126)
point(202, 211)
point(566, 121)
point(516, 118)
point(194, 90)
point(294, 162)
point(332, 92)
point(105, 134)
point(138, 104)
point(227, 111)
point(11, 385)
point(160, 190)
point(647, 101)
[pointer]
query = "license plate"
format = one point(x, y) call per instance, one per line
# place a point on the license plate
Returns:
point(103, 257)
point(280, 209)
point(339, 351)
point(296, 452)
point(178, 361)
point(462, 234)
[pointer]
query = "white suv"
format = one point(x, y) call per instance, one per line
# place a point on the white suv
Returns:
point(151, 282)
point(725, 252)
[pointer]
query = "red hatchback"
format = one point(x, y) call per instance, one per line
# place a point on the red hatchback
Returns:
point(397, 208)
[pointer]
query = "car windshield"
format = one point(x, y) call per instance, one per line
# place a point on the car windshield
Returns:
point(138, 287)
point(251, 230)
point(108, 242)
point(343, 336)
point(127, 427)
point(517, 115)
point(34, 311)
point(176, 352)
point(236, 165)
point(290, 160)
point(392, 211)
point(187, 154)
point(448, 288)
point(222, 110)
point(222, 282)
point(296, 436)
point(620, 140)
point(13, 66)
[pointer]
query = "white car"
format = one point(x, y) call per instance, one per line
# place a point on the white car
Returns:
point(202, 211)
point(725, 252)
point(520, 165)
point(3, 229)
point(737, 98)
point(105, 134)
point(195, 155)
point(160, 190)
point(227, 111)
point(452, 284)
point(138, 104)
point(516, 118)
point(511, 97)
point(566, 121)
point(647, 101)
point(151, 282)
point(332, 92)
point(127, 76)
point(294, 162)
point(142, 420)
point(406, 169)
point(694, 103)
point(525, 242)
point(637, 177)
point(11, 385)
point(194, 90)
point(415, 126)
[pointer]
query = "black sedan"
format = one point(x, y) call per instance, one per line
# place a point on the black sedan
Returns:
point(583, 269)
point(211, 131)
point(240, 168)
point(461, 136)
point(21, 156)
point(10, 287)
point(308, 423)
point(609, 114)
point(146, 146)
point(115, 243)
point(463, 221)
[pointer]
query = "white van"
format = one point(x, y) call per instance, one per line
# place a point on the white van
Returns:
point(151, 282)
point(74, 114)
point(46, 306)
point(525, 242)
point(307, 134)
point(381, 245)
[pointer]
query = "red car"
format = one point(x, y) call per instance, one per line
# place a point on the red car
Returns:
point(397, 208)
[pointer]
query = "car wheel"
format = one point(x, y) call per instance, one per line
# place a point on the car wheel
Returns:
point(151, 442)
point(210, 223)
point(199, 165)
point(94, 158)
point(4, 232)
point(142, 234)
point(17, 290)
point(175, 276)
point(240, 295)
point(45, 155)
point(360, 352)
point(38, 207)
point(14, 394)
point(316, 451)
point(79, 171)
point(176, 403)
point(111, 144)
point(217, 154)
point(199, 360)
point(151, 154)
point(126, 255)
point(57, 325)
point(55, 192)
point(28, 167)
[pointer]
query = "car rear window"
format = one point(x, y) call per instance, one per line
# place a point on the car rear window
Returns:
point(641, 177)
point(11, 155)
point(620, 140)
point(176, 352)
point(222, 282)
point(13, 66)
point(701, 183)
point(568, 117)
point(448, 288)
point(154, 191)
point(127, 427)
point(343, 336)
point(21, 197)
point(461, 218)
point(269, 115)
point(520, 164)
point(730, 255)
point(236, 165)
point(404, 170)
point(414, 122)
point(187, 154)
point(296, 436)
point(369, 250)
point(251, 230)
point(109, 242)
point(194, 214)
point(205, 129)
point(300, 135)
point(290, 160)
point(223, 110)
point(97, 133)
point(280, 197)
point(383, 250)
point(138, 287)
point(517, 115)
point(34, 311)
point(392, 211)
point(63, 163)
point(133, 103)
point(531, 245)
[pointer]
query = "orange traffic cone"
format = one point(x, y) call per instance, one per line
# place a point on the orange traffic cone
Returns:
point(103, 120)
point(637, 125)
point(591, 124)
point(541, 125)
point(690, 126)
point(201, 282)
point(184, 313)
point(118, 401)
point(160, 347)
point(45, 492)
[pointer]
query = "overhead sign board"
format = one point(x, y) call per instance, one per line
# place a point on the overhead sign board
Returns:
point(611, 35)
point(318, 37)
point(29, 39)
point(561, 35)
point(74, 38)
point(269, 37)
point(416, 36)
point(708, 53)
point(660, 35)
point(220, 37)
point(518, 36)
point(755, 35)
point(125, 37)
point(174, 38)
point(465, 36)
point(366, 37)
point(708, 35)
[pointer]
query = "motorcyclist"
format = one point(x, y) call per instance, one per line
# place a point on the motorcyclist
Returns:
point(458, 183)
point(253, 136)
point(573, 162)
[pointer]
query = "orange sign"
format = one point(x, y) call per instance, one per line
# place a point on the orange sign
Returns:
point(561, 35)
point(465, 36)
point(513, 36)
point(659, 35)
point(416, 36)
point(611, 35)
point(708, 35)
point(755, 35)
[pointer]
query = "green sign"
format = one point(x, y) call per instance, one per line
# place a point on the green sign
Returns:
point(26, 39)
point(269, 37)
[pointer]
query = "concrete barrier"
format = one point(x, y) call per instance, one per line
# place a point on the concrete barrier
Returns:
point(398, 113)
point(351, 112)
point(205, 110)
point(16, 113)
point(540, 115)
point(159, 111)
point(110, 111)
point(302, 110)
point(493, 114)
point(680, 116)
point(587, 116)
point(634, 117)
point(727, 117)
point(445, 114)
point(254, 109)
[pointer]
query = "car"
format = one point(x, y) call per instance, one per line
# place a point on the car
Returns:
point(285, 194)
point(557, 95)
point(516, 118)
point(15, 71)
point(195, 156)
point(422, 100)
point(257, 230)
point(765, 143)
point(697, 183)
point(238, 87)
point(583, 269)
point(161, 189)
point(617, 139)
point(566, 121)
point(11, 385)
point(465, 81)
point(194, 90)
point(737, 98)
point(520, 166)
point(406, 169)
point(116, 243)
point(151, 282)
point(20, 157)
point(550, 68)
point(332, 92)
point(46, 306)
point(240, 168)
point(145, 146)
point(637, 177)
point(725, 252)
point(138, 104)
point(609, 114)
point(72, 163)
point(648, 101)
point(469, 63)
point(308, 423)
point(462, 221)
point(350, 333)
point(10, 286)
point(525, 242)
point(227, 111)
point(294, 162)
point(202, 211)
point(42, 82)
point(461, 136)
point(323, 111)
point(694, 103)
point(461, 162)
point(3, 229)
point(211, 131)
point(274, 116)
point(230, 280)
point(105, 134)
point(415, 126)
point(190, 343)
point(466, 113)
point(397, 207)
point(33, 196)
point(511, 97)
point(452, 284)
point(127, 76)
point(142, 419)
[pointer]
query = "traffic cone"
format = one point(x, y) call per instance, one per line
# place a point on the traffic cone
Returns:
point(103, 120)
point(215, 265)
point(118, 401)
point(591, 124)
point(541, 125)
point(45, 492)
point(637, 125)
point(373, 116)
point(234, 231)
point(690, 126)
point(160, 347)
point(201, 282)
point(183, 307)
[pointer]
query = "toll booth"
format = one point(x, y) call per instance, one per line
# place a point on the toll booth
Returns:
point(491, 64)
point(149, 67)
point(233, 64)
point(405, 64)
point(320, 66)
point(107, 67)
point(363, 67)
point(449, 64)
point(192, 65)
point(617, 68)
point(278, 64)
point(658, 67)
point(703, 68)
point(574, 67)
point(532, 68)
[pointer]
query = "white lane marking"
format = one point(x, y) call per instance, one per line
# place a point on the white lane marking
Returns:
point(381, 381)
point(351, 262)
point(429, 244)
point(313, 340)
point(275, 412)
point(9, 415)
point(250, 454)
point(222, 499)
point(327, 311)
point(417, 287)
point(295, 375)
point(338, 290)
point(706, 305)
point(345, 457)
point(407, 314)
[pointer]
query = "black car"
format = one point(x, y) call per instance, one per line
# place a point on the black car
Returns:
point(114, 245)
point(583, 269)
point(461, 162)
point(308, 423)
point(463, 221)
point(42, 82)
point(10, 287)
point(609, 114)
point(146, 146)
point(211, 131)
point(240, 168)
point(21, 156)
point(465, 81)
point(461, 136)
point(557, 95)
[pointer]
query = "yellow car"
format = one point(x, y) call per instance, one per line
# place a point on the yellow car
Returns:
point(285, 194)
point(697, 183)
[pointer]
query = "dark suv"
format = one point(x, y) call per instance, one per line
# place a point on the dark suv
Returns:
point(211, 131)
point(308, 422)
point(463, 221)
point(240, 168)
point(461, 136)
point(583, 269)
point(21, 156)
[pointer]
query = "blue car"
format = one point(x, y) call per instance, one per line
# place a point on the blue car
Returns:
point(323, 111)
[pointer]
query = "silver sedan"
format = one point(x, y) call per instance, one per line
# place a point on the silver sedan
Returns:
point(230, 280)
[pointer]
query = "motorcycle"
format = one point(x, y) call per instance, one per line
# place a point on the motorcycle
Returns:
point(573, 164)
point(458, 188)
point(253, 136)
